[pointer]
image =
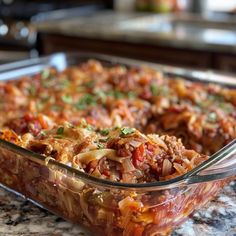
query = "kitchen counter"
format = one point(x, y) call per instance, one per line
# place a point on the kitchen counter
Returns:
point(169, 30)
point(20, 217)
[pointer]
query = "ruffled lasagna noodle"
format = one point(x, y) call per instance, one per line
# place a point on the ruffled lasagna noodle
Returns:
point(118, 154)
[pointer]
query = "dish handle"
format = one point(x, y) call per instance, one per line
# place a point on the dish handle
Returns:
point(220, 165)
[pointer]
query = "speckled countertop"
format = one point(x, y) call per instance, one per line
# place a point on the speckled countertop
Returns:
point(20, 217)
point(181, 31)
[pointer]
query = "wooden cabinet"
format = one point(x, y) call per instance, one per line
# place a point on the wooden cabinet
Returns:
point(50, 43)
point(225, 62)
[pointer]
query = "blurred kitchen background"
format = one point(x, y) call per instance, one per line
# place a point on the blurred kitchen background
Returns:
point(188, 33)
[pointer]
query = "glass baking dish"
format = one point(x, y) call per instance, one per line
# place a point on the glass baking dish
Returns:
point(121, 208)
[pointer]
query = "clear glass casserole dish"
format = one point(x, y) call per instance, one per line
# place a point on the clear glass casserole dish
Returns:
point(121, 209)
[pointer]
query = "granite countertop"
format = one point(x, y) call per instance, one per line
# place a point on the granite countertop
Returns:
point(180, 31)
point(20, 217)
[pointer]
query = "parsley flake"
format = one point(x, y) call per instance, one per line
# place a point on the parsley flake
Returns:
point(90, 128)
point(45, 74)
point(32, 90)
point(103, 140)
point(104, 132)
point(56, 108)
point(43, 133)
point(155, 90)
point(132, 94)
point(126, 131)
point(216, 98)
point(90, 84)
point(60, 130)
point(86, 100)
point(67, 99)
point(100, 146)
point(212, 117)
point(64, 83)
point(102, 96)
point(118, 94)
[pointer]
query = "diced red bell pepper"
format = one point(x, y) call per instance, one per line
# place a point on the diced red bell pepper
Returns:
point(138, 155)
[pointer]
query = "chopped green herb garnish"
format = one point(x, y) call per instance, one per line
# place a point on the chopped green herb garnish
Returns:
point(47, 83)
point(118, 94)
point(103, 140)
point(164, 90)
point(132, 94)
point(42, 132)
point(67, 99)
point(32, 90)
point(56, 108)
point(80, 106)
point(100, 146)
point(201, 104)
point(212, 117)
point(80, 89)
point(39, 106)
point(45, 74)
point(101, 95)
point(154, 89)
point(64, 83)
point(86, 100)
point(90, 128)
point(226, 107)
point(204, 104)
point(90, 84)
point(216, 98)
point(222, 105)
point(104, 132)
point(126, 131)
point(45, 99)
point(85, 125)
point(60, 130)
point(89, 99)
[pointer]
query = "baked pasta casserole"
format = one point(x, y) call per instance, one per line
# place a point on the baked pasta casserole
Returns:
point(120, 124)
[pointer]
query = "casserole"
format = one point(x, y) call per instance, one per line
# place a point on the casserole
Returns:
point(153, 208)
